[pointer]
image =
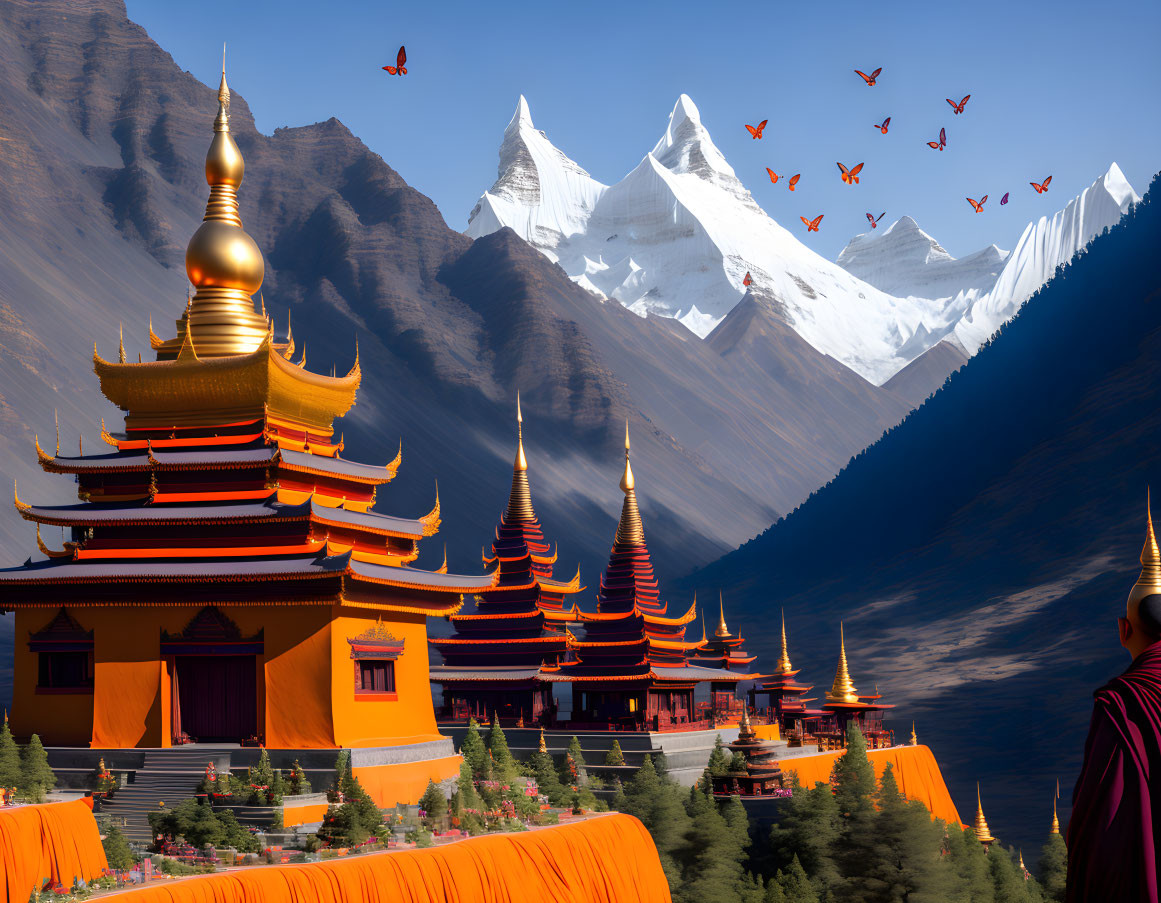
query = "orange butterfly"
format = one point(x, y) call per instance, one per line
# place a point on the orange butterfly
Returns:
point(941, 143)
point(869, 79)
point(882, 126)
point(756, 131)
point(850, 176)
point(958, 107)
point(874, 220)
point(747, 280)
point(1043, 187)
point(773, 175)
point(794, 180)
point(811, 225)
point(400, 59)
point(977, 205)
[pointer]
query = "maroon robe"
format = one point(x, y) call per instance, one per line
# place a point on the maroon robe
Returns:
point(1116, 816)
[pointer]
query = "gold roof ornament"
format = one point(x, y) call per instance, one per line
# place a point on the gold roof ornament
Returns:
point(121, 342)
point(1055, 829)
point(222, 261)
point(784, 666)
point(703, 639)
point(630, 531)
point(543, 748)
point(1150, 580)
point(520, 498)
point(722, 630)
point(1020, 862)
point(842, 690)
point(983, 835)
point(914, 738)
point(745, 730)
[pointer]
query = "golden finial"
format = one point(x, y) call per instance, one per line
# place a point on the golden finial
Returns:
point(431, 520)
point(1020, 862)
point(745, 731)
point(983, 835)
point(20, 506)
point(630, 531)
point(703, 639)
point(80, 445)
point(543, 748)
point(784, 665)
point(914, 738)
point(1150, 580)
point(442, 569)
point(56, 420)
point(1055, 829)
point(842, 690)
point(41, 455)
point(121, 343)
point(722, 630)
point(520, 497)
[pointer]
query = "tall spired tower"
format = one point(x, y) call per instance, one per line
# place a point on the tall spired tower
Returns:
point(224, 576)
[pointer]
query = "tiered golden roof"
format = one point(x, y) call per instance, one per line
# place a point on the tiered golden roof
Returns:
point(630, 531)
point(784, 666)
point(722, 630)
point(842, 690)
point(983, 835)
point(520, 498)
point(1150, 580)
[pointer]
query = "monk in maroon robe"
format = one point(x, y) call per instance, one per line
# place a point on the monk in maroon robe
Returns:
point(1115, 828)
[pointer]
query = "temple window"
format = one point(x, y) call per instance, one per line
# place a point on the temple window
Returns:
point(374, 652)
point(374, 677)
point(64, 652)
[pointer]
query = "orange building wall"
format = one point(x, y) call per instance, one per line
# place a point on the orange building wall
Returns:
point(303, 815)
point(298, 679)
point(58, 841)
point(61, 719)
point(610, 859)
point(410, 718)
point(403, 784)
point(916, 771)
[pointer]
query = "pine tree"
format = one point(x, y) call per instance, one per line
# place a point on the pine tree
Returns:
point(10, 770)
point(467, 797)
point(472, 749)
point(544, 770)
point(661, 764)
point(342, 766)
point(117, 850)
point(504, 767)
point(36, 775)
point(737, 763)
point(1053, 867)
point(615, 756)
point(261, 780)
point(969, 863)
point(574, 750)
point(434, 803)
point(796, 887)
point(659, 806)
point(1008, 881)
point(853, 775)
point(711, 870)
point(299, 784)
point(808, 831)
point(719, 762)
point(365, 811)
point(738, 821)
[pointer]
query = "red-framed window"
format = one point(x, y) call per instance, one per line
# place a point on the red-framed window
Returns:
point(375, 678)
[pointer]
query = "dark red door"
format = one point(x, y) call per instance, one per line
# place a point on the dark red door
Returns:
point(218, 697)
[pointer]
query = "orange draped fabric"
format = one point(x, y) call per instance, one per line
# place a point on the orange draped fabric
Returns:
point(609, 859)
point(916, 771)
point(58, 842)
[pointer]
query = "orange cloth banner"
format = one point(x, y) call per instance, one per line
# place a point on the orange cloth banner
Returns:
point(58, 842)
point(608, 859)
point(916, 771)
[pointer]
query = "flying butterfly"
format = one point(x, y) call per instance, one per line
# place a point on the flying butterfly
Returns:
point(794, 180)
point(1042, 187)
point(756, 131)
point(958, 107)
point(882, 126)
point(978, 206)
point(869, 79)
point(747, 280)
point(874, 220)
point(400, 59)
point(850, 176)
point(941, 143)
point(811, 225)
point(773, 176)
point(1004, 199)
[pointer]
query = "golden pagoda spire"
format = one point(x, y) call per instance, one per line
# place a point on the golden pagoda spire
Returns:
point(121, 343)
point(842, 690)
point(222, 261)
point(784, 666)
point(520, 498)
point(1020, 862)
point(745, 730)
point(1150, 580)
point(914, 738)
point(543, 748)
point(1055, 829)
point(56, 420)
point(630, 531)
point(983, 835)
point(703, 639)
point(723, 631)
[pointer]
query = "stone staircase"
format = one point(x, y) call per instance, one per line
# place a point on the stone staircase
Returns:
point(168, 775)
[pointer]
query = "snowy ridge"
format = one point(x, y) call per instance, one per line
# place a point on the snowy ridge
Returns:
point(677, 235)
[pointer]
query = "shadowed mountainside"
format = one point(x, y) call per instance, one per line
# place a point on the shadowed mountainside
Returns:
point(980, 552)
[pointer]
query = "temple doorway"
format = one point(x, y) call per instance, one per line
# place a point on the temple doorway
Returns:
point(215, 699)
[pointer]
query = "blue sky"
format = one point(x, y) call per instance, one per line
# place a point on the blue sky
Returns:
point(1061, 89)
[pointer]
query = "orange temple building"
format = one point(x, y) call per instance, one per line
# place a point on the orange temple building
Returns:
point(724, 652)
point(225, 578)
point(492, 664)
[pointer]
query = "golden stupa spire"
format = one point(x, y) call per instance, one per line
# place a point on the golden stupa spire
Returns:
point(745, 730)
point(842, 690)
point(520, 498)
point(914, 738)
point(630, 532)
point(1150, 580)
point(1020, 862)
point(983, 835)
point(784, 666)
point(543, 748)
point(1055, 829)
point(703, 639)
point(722, 630)
point(222, 261)
point(121, 343)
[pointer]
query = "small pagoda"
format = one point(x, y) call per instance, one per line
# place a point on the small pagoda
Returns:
point(492, 663)
point(225, 577)
point(762, 775)
point(844, 704)
point(787, 700)
point(724, 652)
point(630, 670)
